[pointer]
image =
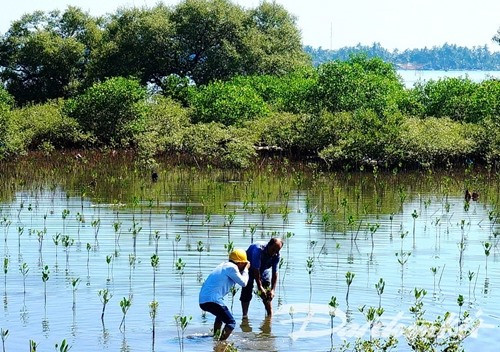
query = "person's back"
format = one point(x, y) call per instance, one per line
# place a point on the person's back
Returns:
point(220, 281)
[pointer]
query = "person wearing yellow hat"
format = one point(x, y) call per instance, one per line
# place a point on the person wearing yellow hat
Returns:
point(218, 284)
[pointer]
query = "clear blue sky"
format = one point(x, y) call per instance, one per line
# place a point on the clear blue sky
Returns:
point(398, 24)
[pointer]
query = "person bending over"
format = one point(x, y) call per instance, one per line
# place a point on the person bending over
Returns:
point(218, 284)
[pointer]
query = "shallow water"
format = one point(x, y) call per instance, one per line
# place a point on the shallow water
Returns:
point(319, 206)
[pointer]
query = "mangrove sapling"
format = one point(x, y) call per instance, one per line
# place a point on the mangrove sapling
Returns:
point(3, 335)
point(333, 305)
point(460, 302)
point(135, 229)
point(64, 215)
point(89, 247)
point(150, 207)
point(310, 270)
point(253, 229)
point(80, 219)
point(125, 304)
point(402, 260)
point(131, 263)
point(156, 239)
point(155, 261)
point(181, 322)
point(229, 246)
point(199, 248)
point(96, 224)
point(56, 239)
point(179, 266)
point(20, 231)
point(45, 278)
point(24, 269)
point(153, 310)
point(373, 228)
point(288, 236)
point(40, 236)
point(470, 276)
point(208, 218)
point(344, 203)
point(33, 346)
point(487, 249)
point(104, 296)
point(349, 277)
point(63, 347)
point(233, 290)
point(414, 215)
point(175, 246)
point(21, 206)
point(379, 286)
point(371, 314)
point(6, 224)
point(434, 272)
point(109, 259)
point(67, 242)
point(229, 221)
point(74, 284)
point(117, 229)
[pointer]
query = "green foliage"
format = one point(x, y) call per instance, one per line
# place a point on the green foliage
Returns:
point(359, 83)
point(433, 141)
point(135, 42)
point(43, 56)
point(227, 103)
point(362, 136)
point(160, 130)
point(106, 109)
point(40, 126)
point(214, 143)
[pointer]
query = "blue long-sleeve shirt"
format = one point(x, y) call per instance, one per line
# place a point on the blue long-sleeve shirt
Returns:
point(220, 281)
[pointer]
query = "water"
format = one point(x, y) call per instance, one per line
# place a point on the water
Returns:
point(410, 77)
point(318, 206)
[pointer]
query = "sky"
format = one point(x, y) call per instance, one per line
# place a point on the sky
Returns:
point(332, 24)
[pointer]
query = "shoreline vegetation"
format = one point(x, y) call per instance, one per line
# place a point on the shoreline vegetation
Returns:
point(218, 85)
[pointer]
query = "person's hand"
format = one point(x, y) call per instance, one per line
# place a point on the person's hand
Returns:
point(263, 294)
point(247, 266)
point(270, 295)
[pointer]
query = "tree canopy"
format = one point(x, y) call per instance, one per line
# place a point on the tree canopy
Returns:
point(50, 55)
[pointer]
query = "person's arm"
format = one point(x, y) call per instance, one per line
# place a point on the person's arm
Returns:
point(241, 278)
point(274, 281)
point(258, 281)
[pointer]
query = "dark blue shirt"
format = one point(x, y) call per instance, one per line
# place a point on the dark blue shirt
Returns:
point(259, 258)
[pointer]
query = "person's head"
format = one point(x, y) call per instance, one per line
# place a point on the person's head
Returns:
point(274, 246)
point(239, 257)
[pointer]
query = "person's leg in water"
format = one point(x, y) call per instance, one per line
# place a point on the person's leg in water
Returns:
point(222, 315)
point(246, 296)
point(266, 283)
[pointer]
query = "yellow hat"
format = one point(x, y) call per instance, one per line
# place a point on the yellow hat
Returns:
point(238, 256)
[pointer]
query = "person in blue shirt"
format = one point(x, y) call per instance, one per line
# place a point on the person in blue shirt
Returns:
point(264, 259)
point(218, 284)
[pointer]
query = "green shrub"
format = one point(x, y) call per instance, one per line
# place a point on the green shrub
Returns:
point(303, 133)
point(160, 130)
point(227, 103)
point(213, 143)
point(41, 126)
point(437, 141)
point(106, 109)
point(359, 83)
point(361, 137)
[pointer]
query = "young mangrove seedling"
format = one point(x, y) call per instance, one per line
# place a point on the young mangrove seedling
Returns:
point(434, 272)
point(379, 286)
point(333, 305)
point(24, 269)
point(229, 246)
point(470, 276)
point(253, 229)
point(20, 231)
point(135, 229)
point(233, 290)
point(64, 215)
point(153, 310)
point(179, 266)
point(56, 239)
point(89, 247)
point(96, 224)
point(80, 219)
point(349, 277)
point(125, 304)
point(3, 335)
point(63, 347)
point(414, 215)
point(229, 221)
point(310, 270)
point(109, 259)
point(371, 314)
point(104, 296)
point(45, 278)
point(74, 284)
point(155, 262)
point(181, 322)
point(487, 249)
point(460, 302)
point(117, 229)
point(417, 309)
point(67, 242)
point(33, 346)
point(131, 263)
